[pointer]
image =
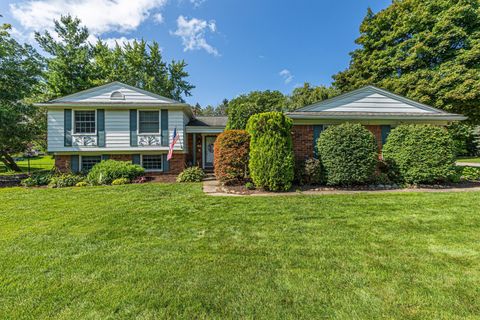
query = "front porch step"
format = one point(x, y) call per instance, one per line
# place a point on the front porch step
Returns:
point(209, 177)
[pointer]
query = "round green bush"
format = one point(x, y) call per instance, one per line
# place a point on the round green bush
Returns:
point(271, 152)
point(65, 180)
point(105, 172)
point(422, 153)
point(231, 156)
point(348, 153)
point(192, 174)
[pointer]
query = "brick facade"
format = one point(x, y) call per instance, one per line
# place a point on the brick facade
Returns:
point(120, 157)
point(176, 164)
point(198, 160)
point(303, 144)
point(377, 133)
point(62, 163)
point(302, 137)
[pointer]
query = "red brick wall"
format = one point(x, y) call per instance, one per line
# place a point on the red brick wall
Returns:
point(302, 142)
point(198, 150)
point(377, 133)
point(177, 163)
point(62, 163)
point(120, 157)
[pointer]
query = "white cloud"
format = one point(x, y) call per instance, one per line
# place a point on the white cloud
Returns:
point(197, 3)
point(193, 31)
point(111, 42)
point(286, 75)
point(158, 17)
point(99, 16)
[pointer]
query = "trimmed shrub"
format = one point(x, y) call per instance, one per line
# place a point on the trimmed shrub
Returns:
point(231, 156)
point(349, 154)
point(422, 153)
point(309, 172)
point(470, 174)
point(106, 171)
point(120, 181)
point(65, 180)
point(192, 174)
point(37, 179)
point(271, 152)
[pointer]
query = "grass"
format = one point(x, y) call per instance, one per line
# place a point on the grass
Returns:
point(36, 164)
point(469, 160)
point(169, 251)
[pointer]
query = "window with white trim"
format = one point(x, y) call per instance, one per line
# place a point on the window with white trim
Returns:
point(84, 121)
point(152, 162)
point(89, 161)
point(148, 122)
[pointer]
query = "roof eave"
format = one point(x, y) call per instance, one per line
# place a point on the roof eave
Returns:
point(446, 117)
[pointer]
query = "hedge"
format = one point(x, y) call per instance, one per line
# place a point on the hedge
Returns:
point(105, 172)
point(348, 153)
point(231, 156)
point(271, 152)
point(422, 153)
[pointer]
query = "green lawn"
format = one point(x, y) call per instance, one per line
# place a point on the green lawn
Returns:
point(168, 251)
point(470, 160)
point(36, 164)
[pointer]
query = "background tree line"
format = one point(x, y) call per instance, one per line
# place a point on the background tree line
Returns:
point(72, 64)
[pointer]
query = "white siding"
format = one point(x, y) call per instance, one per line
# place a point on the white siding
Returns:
point(55, 132)
point(117, 132)
point(367, 101)
point(103, 93)
point(117, 128)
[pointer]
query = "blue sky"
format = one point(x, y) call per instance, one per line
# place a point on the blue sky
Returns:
point(232, 47)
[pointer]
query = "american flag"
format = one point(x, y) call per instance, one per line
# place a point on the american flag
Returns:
point(175, 138)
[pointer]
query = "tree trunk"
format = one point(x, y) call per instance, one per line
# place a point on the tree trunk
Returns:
point(9, 162)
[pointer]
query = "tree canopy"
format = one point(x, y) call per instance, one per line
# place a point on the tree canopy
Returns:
point(427, 50)
point(241, 108)
point(307, 95)
point(20, 68)
point(75, 64)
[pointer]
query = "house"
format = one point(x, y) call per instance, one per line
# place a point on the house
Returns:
point(121, 122)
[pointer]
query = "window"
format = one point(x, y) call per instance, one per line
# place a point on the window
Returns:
point(84, 122)
point(117, 95)
point(89, 161)
point(148, 122)
point(152, 162)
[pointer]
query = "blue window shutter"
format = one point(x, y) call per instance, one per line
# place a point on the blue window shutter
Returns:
point(165, 163)
point(105, 157)
point(133, 128)
point(67, 127)
point(385, 132)
point(317, 130)
point(164, 124)
point(75, 163)
point(136, 159)
point(101, 127)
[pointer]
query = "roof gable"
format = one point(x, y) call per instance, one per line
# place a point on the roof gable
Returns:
point(115, 93)
point(371, 99)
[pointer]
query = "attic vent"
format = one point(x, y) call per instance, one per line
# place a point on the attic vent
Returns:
point(117, 95)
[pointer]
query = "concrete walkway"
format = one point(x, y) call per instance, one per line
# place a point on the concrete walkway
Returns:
point(468, 164)
point(211, 188)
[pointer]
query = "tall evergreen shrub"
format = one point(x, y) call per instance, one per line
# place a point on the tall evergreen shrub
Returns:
point(271, 151)
point(422, 153)
point(348, 153)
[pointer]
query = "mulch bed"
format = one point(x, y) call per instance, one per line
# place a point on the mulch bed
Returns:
point(241, 190)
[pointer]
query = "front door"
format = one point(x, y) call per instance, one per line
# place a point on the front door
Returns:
point(208, 147)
